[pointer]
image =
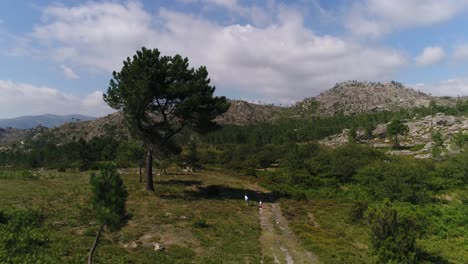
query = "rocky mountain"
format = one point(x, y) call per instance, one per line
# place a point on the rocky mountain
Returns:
point(347, 98)
point(358, 97)
point(29, 122)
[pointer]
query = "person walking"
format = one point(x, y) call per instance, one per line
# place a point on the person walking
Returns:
point(246, 199)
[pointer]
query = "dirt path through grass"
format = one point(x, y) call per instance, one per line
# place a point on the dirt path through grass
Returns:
point(278, 241)
point(279, 244)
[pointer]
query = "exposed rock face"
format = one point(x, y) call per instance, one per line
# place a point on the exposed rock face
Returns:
point(380, 131)
point(336, 140)
point(244, 113)
point(358, 97)
point(111, 125)
point(419, 137)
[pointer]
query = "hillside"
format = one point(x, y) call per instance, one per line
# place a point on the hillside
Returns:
point(10, 135)
point(244, 113)
point(353, 97)
point(48, 120)
point(348, 98)
point(240, 113)
point(418, 142)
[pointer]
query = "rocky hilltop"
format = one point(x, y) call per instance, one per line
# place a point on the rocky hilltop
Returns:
point(360, 97)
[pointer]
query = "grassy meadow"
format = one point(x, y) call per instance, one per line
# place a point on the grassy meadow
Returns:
point(194, 222)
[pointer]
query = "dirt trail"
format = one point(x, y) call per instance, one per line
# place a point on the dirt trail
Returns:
point(278, 241)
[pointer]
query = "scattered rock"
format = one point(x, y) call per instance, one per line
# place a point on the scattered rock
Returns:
point(157, 246)
point(418, 139)
point(131, 245)
point(380, 131)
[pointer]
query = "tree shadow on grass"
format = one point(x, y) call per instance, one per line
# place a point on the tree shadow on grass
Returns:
point(427, 257)
point(221, 192)
point(179, 183)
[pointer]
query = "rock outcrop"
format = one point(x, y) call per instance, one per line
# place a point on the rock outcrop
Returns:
point(353, 97)
point(418, 142)
point(244, 113)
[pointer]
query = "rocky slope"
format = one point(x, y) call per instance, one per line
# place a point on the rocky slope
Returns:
point(418, 142)
point(10, 135)
point(240, 113)
point(346, 98)
point(244, 113)
point(359, 97)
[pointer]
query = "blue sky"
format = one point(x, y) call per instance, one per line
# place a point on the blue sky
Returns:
point(57, 56)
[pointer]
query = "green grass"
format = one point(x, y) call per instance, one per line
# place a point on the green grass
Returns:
point(417, 147)
point(323, 226)
point(172, 216)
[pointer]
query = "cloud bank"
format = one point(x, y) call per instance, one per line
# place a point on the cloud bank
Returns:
point(280, 62)
point(27, 99)
point(375, 18)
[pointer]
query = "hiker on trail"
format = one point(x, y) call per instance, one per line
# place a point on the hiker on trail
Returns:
point(246, 199)
point(260, 205)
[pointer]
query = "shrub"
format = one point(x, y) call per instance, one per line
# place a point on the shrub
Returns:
point(398, 180)
point(394, 230)
point(358, 211)
point(200, 223)
point(22, 239)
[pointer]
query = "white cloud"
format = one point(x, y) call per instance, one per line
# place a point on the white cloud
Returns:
point(377, 17)
point(460, 52)
point(69, 73)
point(25, 99)
point(430, 55)
point(449, 87)
point(280, 62)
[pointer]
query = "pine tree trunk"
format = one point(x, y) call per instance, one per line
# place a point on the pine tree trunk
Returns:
point(140, 164)
point(149, 169)
point(91, 252)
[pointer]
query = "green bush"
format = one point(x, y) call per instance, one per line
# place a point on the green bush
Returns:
point(200, 223)
point(358, 211)
point(397, 180)
point(395, 227)
point(22, 239)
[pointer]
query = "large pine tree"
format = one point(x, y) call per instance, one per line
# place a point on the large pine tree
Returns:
point(159, 97)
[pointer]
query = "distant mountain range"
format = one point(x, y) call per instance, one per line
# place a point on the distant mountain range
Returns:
point(48, 120)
